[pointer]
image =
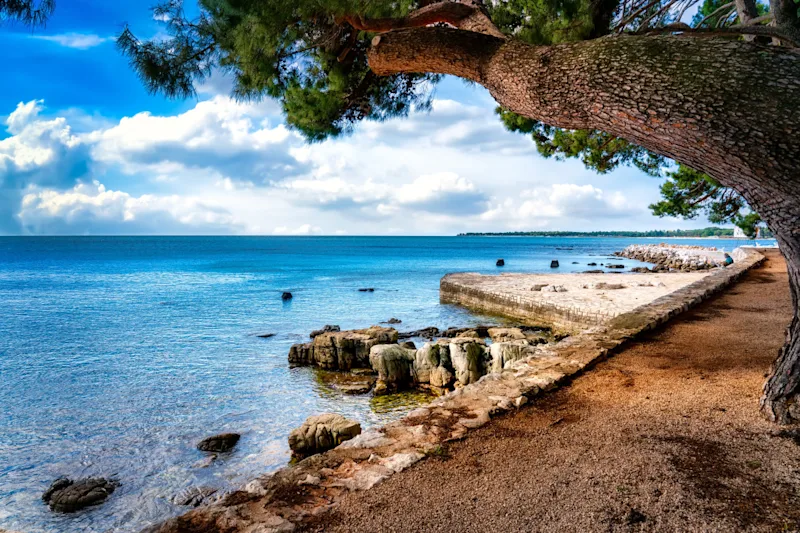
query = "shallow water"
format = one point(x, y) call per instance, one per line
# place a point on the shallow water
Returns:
point(118, 354)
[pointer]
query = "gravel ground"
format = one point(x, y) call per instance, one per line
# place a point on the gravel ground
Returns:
point(665, 436)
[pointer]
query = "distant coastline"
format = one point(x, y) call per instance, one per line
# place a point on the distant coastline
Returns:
point(705, 233)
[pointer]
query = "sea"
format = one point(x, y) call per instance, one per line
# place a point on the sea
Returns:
point(119, 354)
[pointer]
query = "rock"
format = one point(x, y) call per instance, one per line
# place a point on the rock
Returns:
point(469, 334)
point(554, 263)
point(321, 433)
point(393, 321)
point(482, 331)
point(67, 496)
point(394, 365)
point(194, 496)
point(348, 383)
point(615, 266)
point(641, 270)
point(575, 263)
point(286, 296)
point(468, 357)
point(408, 344)
point(591, 264)
point(506, 352)
point(635, 517)
point(265, 335)
point(400, 461)
point(310, 480)
point(593, 272)
point(500, 262)
point(608, 286)
point(325, 329)
point(554, 288)
point(432, 365)
point(538, 287)
point(222, 443)
point(426, 333)
point(369, 289)
point(341, 350)
point(205, 462)
point(505, 334)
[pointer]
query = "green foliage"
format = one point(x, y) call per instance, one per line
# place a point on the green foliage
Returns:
point(29, 12)
point(688, 193)
point(298, 51)
point(597, 150)
point(544, 22)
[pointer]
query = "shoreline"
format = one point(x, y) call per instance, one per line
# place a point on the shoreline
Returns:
point(314, 485)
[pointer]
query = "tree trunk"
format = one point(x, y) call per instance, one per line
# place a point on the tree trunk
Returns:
point(728, 108)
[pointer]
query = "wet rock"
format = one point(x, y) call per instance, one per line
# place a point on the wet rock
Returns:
point(341, 350)
point(194, 496)
point(575, 263)
point(205, 462)
point(286, 296)
point(265, 335)
point(554, 263)
point(469, 358)
point(348, 383)
point(222, 443)
point(67, 496)
point(393, 321)
point(505, 334)
point(321, 433)
point(593, 272)
point(615, 266)
point(425, 333)
point(500, 262)
point(394, 365)
point(368, 289)
point(641, 270)
point(591, 264)
point(326, 329)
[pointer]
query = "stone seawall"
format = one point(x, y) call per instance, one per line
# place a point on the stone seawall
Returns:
point(278, 501)
point(454, 289)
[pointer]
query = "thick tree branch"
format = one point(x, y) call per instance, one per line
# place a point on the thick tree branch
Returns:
point(777, 32)
point(464, 16)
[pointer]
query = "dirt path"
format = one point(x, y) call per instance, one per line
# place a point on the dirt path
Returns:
point(665, 436)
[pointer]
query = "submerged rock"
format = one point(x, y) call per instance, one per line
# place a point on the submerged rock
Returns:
point(321, 433)
point(500, 262)
point(194, 496)
point(615, 266)
point(265, 335)
point(368, 289)
point(348, 383)
point(222, 443)
point(393, 321)
point(286, 296)
point(67, 496)
point(394, 365)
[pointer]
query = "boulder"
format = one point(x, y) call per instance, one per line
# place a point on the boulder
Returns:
point(408, 344)
point(394, 365)
point(326, 329)
point(348, 383)
point(222, 443)
point(554, 263)
point(286, 296)
point(468, 357)
point(321, 433)
point(641, 270)
point(469, 334)
point(507, 352)
point(505, 334)
point(341, 350)
point(393, 321)
point(67, 496)
point(432, 364)
point(500, 262)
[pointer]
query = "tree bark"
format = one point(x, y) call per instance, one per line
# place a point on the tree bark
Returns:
point(728, 108)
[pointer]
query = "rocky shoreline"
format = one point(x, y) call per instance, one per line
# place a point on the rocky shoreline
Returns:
point(673, 257)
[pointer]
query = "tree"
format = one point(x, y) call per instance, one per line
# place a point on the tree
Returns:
point(715, 99)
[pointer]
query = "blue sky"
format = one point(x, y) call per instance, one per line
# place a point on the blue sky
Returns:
point(85, 150)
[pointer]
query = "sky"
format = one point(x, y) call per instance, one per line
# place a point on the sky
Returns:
point(85, 150)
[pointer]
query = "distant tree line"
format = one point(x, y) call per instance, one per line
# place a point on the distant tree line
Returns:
point(705, 232)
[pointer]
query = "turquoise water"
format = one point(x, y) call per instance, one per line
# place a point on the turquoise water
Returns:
point(118, 354)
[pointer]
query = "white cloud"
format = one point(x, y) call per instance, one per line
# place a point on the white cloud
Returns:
point(90, 205)
point(80, 41)
point(226, 166)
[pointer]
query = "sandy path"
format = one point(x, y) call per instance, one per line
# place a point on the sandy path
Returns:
point(665, 436)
